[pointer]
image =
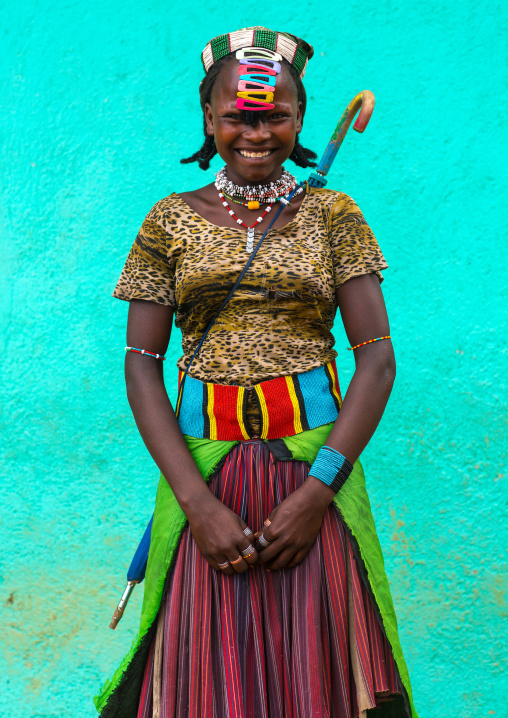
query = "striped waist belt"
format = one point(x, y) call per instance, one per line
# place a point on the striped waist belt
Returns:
point(288, 405)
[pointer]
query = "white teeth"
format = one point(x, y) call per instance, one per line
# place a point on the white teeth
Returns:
point(254, 154)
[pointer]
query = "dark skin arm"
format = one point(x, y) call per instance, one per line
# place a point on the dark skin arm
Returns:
point(217, 530)
point(297, 520)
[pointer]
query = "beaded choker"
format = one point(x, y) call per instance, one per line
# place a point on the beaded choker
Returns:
point(263, 193)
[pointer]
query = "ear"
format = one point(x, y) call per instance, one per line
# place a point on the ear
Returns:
point(208, 118)
point(299, 118)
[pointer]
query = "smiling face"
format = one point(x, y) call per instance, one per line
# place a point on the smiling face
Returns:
point(253, 153)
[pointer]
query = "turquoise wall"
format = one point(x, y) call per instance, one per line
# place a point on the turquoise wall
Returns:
point(99, 102)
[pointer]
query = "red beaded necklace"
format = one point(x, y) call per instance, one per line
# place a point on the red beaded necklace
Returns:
point(250, 230)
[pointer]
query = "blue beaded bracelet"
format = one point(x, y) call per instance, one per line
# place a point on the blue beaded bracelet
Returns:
point(331, 467)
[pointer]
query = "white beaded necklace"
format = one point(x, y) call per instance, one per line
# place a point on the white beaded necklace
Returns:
point(264, 193)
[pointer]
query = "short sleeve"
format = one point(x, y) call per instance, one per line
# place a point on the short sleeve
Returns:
point(355, 249)
point(148, 272)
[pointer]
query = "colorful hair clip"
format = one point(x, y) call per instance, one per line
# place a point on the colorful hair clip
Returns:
point(245, 85)
point(264, 79)
point(252, 105)
point(256, 83)
point(257, 96)
point(247, 53)
point(271, 68)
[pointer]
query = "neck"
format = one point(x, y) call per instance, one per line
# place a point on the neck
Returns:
point(242, 182)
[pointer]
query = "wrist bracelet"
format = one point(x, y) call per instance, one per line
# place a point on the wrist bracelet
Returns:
point(331, 467)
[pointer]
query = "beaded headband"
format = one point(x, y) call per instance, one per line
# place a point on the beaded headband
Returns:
point(292, 48)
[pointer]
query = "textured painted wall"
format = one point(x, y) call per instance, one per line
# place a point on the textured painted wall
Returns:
point(99, 102)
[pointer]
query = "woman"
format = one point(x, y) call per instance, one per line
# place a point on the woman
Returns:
point(265, 591)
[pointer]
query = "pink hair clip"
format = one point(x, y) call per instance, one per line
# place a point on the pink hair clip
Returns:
point(245, 85)
point(243, 104)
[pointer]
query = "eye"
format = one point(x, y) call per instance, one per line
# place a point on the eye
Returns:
point(279, 116)
point(232, 115)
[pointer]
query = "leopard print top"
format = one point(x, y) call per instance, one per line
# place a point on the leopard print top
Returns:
point(280, 318)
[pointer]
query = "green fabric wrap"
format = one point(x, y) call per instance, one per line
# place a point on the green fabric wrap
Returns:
point(169, 521)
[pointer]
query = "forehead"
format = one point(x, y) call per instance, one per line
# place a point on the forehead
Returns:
point(225, 88)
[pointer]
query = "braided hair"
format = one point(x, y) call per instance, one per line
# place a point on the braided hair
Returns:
point(300, 155)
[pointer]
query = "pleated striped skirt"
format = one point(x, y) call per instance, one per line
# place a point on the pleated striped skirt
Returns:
point(303, 642)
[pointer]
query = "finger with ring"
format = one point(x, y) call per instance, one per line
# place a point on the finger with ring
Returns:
point(224, 565)
point(267, 523)
point(261, 539)
point(248, 551)
point(237, 560)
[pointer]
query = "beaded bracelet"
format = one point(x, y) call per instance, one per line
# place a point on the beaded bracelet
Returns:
point(331, 467)
point(350, 349)
point(144, 351)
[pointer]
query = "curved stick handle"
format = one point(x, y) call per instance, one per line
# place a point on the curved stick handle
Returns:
point(364, 101)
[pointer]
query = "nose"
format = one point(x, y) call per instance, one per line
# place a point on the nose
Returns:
point(257, 133)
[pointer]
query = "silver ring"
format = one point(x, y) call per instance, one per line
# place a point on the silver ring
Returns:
point(222, 566)
point(247, 531)
point(264, 543)
point(248, 551)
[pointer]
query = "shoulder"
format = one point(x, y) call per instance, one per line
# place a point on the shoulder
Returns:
point(337, 211)
point(333, 202)
point(168, 212)
point(159, 232)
